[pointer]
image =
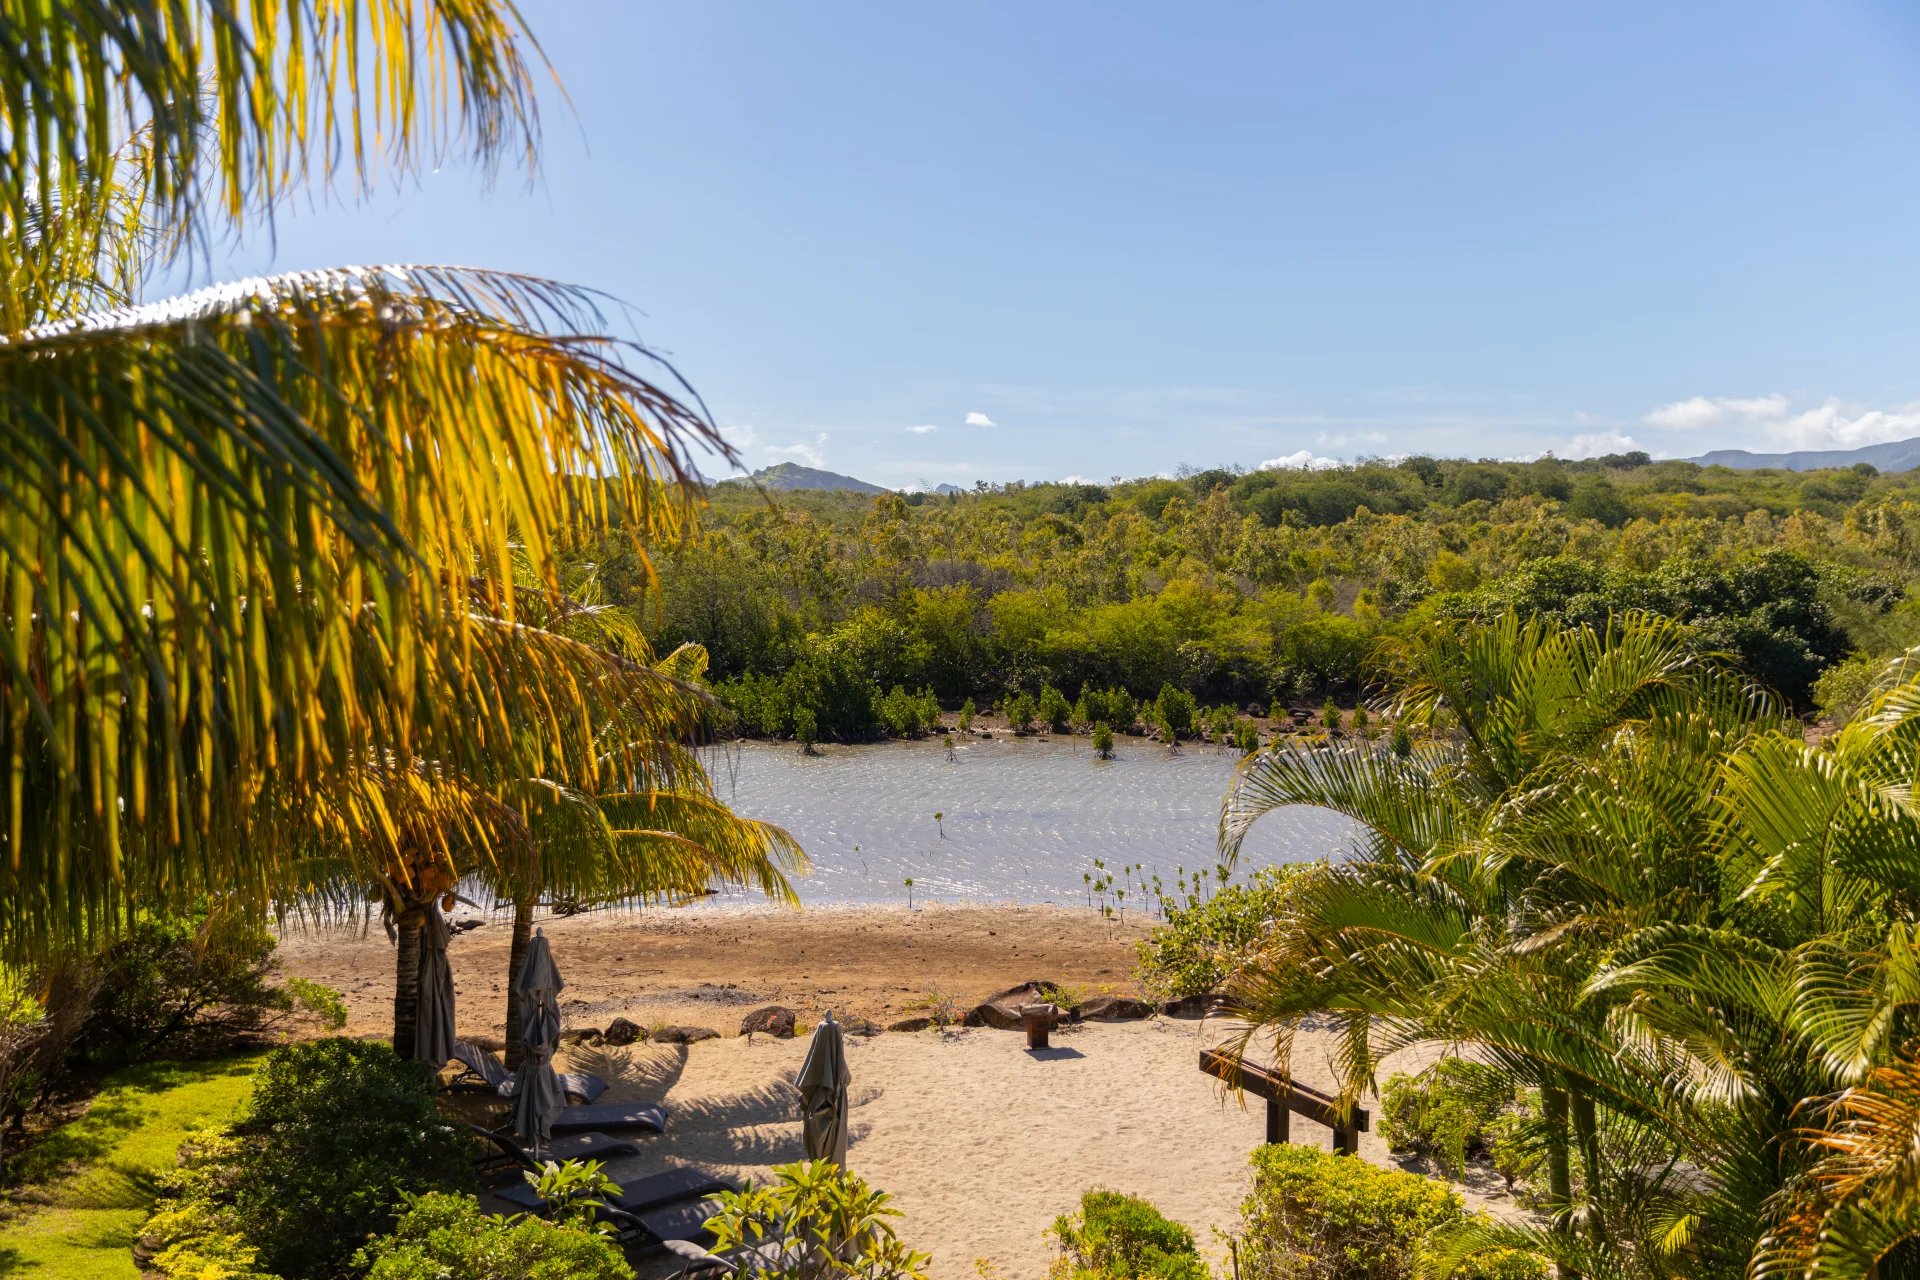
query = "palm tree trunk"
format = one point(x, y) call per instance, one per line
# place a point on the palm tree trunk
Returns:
point(516, 956)
point(1586, 1129)
point(1553, 1105)
point(406, 981)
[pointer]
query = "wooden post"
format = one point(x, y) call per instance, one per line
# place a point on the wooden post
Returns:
point(1039, 1019)
point(1285, 1096)
point(1279, 1122)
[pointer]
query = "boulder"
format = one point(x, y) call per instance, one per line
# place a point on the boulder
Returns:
point(920, 1023)
point(580, 1035)
point(1195, 1006)
point(1002, 1011)
point(861, 1027)
point(684, 1035)
point(773, 1020)
point(1115, 1009)
point(623, 1031)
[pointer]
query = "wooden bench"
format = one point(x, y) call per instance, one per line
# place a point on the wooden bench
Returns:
point(1284, 1096)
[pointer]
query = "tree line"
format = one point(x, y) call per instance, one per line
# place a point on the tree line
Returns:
point(1269, 588)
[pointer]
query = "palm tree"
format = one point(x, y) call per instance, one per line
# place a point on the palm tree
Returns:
point(1694, 926)
point(1556, 810)
point(255, 541)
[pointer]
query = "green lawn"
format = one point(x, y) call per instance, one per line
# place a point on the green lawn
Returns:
point(87, 1187)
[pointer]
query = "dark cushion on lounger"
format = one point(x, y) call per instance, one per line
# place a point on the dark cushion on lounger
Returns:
point(612, 1115)
point(685, 1220)
point(588, 1145)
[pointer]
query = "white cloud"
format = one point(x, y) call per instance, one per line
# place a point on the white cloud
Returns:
point(1710, 411)
point(1836, 425)
point(924, 428)
point(1598, 444)
point(1833, 425)
point(1303, 460)
point(977, 419)
point(814, 455)
point(1077, 480)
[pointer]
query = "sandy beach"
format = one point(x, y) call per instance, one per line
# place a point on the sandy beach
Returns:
point(981, 1143)
point(708, 967)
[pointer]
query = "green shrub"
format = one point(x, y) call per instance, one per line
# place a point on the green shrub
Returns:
point(1515, 1141)
point(1246, 736)
point(907, 715)
point(1444, 1111)
point(1113, 706)
point(1845, 687)
point(1103, 741)
point(1316, 1216)
point(1502, 1264)
point(187, 984)
point(1174, 709)
point(966, 715)
point(1020, 710)
point(1118, 1237)
point(821, 1221)
point(22, 1025)
point(338, 1133)
point(1204, 939)
point(446, 1237)
point(1053, 709)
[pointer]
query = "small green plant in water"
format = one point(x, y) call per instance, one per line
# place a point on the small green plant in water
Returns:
point(1103, 741)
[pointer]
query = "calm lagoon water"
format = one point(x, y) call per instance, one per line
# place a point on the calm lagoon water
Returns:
point(1024, 819)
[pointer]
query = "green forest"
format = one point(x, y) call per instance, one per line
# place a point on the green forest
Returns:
point(850, 615)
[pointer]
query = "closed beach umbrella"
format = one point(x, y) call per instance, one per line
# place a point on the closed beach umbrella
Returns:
point(433, 1030)
point(536, 1089)
point(823, 1095)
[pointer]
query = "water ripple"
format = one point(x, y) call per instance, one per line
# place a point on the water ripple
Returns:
point(1024, 819)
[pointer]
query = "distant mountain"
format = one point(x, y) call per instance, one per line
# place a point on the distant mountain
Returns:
point(791, 475)
point(1899, 455)
point(944, 489)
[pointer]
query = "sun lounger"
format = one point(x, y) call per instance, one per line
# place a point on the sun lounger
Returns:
point(493, 1074)
point(646, 1116)
point(696, 1260)
point(637, 1195)
point(508, 1155)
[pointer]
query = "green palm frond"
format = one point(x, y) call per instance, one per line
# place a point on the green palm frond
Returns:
point(1404, 803)
point(239, 534)
point(245, 102)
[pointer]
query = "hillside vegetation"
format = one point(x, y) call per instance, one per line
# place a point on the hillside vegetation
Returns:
point(1273, 587)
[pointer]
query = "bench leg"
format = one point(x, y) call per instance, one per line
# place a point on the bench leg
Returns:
point(1279, 1123)
point(1346, 1142)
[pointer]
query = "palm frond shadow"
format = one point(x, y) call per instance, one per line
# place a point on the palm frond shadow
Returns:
point(642, 1073)
point(755, 1127)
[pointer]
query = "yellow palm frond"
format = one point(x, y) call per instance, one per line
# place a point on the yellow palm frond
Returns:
point(253, 100)
point(240, 537)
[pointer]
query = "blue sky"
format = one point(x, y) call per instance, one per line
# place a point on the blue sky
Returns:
point(1131, 236)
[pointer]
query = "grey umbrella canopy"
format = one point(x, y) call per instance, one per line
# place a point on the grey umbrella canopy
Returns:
point(823, 1095)
point(433, 1029)
point(536, 1089)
